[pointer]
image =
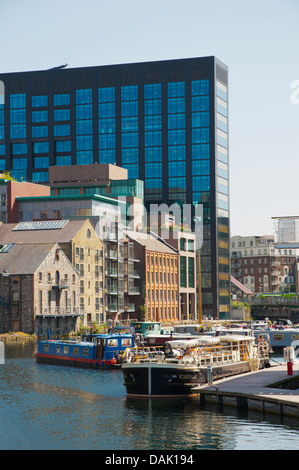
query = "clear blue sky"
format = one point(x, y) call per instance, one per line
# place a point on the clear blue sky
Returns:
point(257, 40)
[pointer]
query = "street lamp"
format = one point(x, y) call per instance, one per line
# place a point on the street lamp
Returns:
point(3, 274)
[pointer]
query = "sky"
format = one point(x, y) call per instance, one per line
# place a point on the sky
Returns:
point(257, 40)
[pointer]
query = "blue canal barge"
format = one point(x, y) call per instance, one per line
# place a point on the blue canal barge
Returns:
point(93, 351)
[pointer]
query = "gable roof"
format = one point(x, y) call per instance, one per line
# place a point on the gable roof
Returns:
point(64, 234)
point(151, 243)
point(24, 259)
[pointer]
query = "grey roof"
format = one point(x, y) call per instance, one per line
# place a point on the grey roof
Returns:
point(151, 243)
point(61, 235)
point(24, 259)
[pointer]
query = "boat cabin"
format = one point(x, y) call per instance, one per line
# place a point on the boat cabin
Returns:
point(146, 328)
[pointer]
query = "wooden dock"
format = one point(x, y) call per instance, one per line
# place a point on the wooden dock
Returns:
point(262, 390)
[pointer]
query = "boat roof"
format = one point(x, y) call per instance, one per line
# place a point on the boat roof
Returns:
point(235, 338)
point(194, 342)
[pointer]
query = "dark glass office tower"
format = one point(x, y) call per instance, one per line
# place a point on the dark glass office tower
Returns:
point(166, 122)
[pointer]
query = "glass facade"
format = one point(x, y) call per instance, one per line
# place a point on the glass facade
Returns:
point(165, 122)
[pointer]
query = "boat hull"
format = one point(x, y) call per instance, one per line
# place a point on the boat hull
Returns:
point(157, 380)
point(76, 362)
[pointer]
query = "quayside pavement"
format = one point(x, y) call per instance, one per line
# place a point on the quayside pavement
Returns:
point(257, 391)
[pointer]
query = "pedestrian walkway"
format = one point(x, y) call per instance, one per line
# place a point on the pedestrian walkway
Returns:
point(255, 390)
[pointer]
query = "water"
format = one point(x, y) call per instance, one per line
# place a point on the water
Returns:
point(46, 407)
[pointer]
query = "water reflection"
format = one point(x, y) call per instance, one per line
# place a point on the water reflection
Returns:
point(56, 407)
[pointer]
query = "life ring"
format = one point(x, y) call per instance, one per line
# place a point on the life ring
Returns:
point(294, 337)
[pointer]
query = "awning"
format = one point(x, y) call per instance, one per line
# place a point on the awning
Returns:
point(240, 286)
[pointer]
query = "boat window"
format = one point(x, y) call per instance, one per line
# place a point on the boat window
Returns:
point(76, 351)
point(65, 349)
point(112, 343)
point(85, 352)
point(57, 349)
point(126, 342)
point(277, 337)
point(46, 347)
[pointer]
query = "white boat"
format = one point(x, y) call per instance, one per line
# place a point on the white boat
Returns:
point(177, 368)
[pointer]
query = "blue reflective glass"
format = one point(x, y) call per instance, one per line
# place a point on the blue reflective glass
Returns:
point(200, 167)
point(129, 139)
point(106, 141)
point(63, 146)
point(177, 168)
point(201, 151)
point(39, 116)
point(129, 108)
point(106, 126)
point(106, 94)
point(176, 152)
point(84, 158)
point(176, 137)
point(63, 160)
point(17, 116)
point(2, 164)
point(2, 149)
point(178, 183)
point(129, 93)
point(153, 183)
point(84, 111)
point(107, 156)
point(84, 96)
point(19, 175)
point(153, 139)
point(200, 135)
point(106, 110)
point(40, 131)
point(19, 163)
point(17, 131)
point(199, 87)
point(152, 107)
point(176, 105)
point(40, 176)
point(19, 149)
point(61, 99)
point(84, 127)
point(200, 119)
point(41, 162)
point(130, 155)
point(61, 114)
point(40, 147)
point(176, 89)
point(18, 100)
point(84, 142)
point(201, 183)
point(176, 121)
point(153, 154)
point(153, 122)
point(1, 116)
point(129, 124)
point(200, 103)
point(1, 132)
point(62, 130)
point(38, 101)
point(152, 91)
point(133, 170)
point(153, 170)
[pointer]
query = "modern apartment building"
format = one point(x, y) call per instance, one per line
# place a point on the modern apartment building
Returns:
point(261, 267)
point(166, 122)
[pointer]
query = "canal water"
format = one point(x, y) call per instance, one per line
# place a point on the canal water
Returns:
point(46, 407)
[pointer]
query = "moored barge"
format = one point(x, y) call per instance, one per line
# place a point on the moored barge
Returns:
point(93, 351)
point(183, 365)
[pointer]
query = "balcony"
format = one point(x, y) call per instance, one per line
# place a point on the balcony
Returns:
point(134, 290)
point(59, 311)
point(111, 272)
point(112, 290)
point(112, 307)
point(61, 284)
point(130, 308)
point(111, 254)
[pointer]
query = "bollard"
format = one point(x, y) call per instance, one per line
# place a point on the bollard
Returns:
point(290, 367)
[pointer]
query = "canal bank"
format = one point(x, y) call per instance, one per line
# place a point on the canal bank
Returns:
point(17, 336)
point(269, 391)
